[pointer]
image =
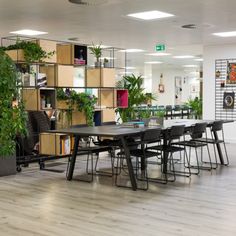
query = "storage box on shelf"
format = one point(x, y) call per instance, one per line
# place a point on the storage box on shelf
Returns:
point(39, 99)
point(107, 98)
point(55, 144)
point(122, 98)
point(100, 77)
point(58, 75)
point(70, 54)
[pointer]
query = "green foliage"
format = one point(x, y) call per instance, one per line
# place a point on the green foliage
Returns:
point(12, 117)
point(96, 51)
point(160, 113)
point(144, 113)
point(83, 101)
point(136, 96)
point(32, 51)
point(196, 106)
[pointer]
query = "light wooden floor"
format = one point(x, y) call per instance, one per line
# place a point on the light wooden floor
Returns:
point(43, 203)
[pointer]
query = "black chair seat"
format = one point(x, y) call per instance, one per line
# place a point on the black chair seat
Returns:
point(170, 148)
point(141, 153)
point(209, 140)
point(192, 143)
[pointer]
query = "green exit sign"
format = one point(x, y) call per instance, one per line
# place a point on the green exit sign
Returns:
point(160, 47)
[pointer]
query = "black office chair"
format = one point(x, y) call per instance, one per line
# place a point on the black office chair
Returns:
point(174, 134)
point(142, 154)
point(198, 131)
point(215, 129)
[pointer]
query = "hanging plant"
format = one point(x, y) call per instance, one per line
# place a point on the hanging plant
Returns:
point(32, 51)
point(12, 117)
point(84, 102)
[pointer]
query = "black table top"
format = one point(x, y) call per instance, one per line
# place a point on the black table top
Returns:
point(119, 130)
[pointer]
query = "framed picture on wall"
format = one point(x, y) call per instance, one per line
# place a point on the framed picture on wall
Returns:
point(161, 88)
point(228, 102)
point(231, 73)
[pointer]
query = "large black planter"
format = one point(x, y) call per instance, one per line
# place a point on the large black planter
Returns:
point(7, 165)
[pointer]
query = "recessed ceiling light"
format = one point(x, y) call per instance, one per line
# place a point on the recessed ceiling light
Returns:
point(132, 50)
point(28, 32)
point(150, 15)
point(198, 59)
point(183, 57)
point(153, 62)
point(159, 54)
point(190, 66)
point(130, 68)
point(226, 34)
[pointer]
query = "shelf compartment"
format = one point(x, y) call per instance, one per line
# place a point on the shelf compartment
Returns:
point(39, 99)
point(108, 115)
point(58, 75)
point(55, 144)
point(107, 98)
point(122, 98)
point(46, 45)
point(100, 77)
point(70, 54)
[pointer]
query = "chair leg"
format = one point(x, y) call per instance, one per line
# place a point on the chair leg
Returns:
point(226, 154)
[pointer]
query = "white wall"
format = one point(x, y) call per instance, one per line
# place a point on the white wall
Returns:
point(210, 54)
point(169, 74)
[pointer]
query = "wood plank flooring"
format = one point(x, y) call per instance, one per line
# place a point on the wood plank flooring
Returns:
point(43, 203)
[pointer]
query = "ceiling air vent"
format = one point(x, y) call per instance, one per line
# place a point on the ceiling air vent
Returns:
point(189, 26)
point(88, 2)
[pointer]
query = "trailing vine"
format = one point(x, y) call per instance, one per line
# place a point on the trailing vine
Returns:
point(84, 102)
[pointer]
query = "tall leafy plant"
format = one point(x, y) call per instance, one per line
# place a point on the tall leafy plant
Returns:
point(12, 117)
point(196, 107)
point(134, 85)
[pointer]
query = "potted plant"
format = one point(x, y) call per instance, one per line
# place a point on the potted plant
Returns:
point(97, 52)
point(196, 107)
point(106, 63)
point(159, 117)
point(136, 96)
point(12, 115)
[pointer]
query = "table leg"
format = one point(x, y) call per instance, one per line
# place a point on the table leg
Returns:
point(219, 149)
point(73, 159)
point(129, 164)
point(165, 154)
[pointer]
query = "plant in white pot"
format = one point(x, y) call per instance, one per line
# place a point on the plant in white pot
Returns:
point(97, 52)
point(12, 116)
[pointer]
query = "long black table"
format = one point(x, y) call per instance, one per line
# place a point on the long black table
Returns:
point(121, 132)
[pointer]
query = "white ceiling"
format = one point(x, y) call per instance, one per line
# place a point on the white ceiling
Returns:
point(107, 23)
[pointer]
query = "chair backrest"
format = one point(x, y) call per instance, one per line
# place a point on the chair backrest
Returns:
point(198, 130)
point(151, 135)
point(176, 131)
point(217, 125)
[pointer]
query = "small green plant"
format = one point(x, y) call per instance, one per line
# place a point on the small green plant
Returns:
point(12, 116)
point(144, 114)
point(106, 60)
point(159, 114)
point(96, 51)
